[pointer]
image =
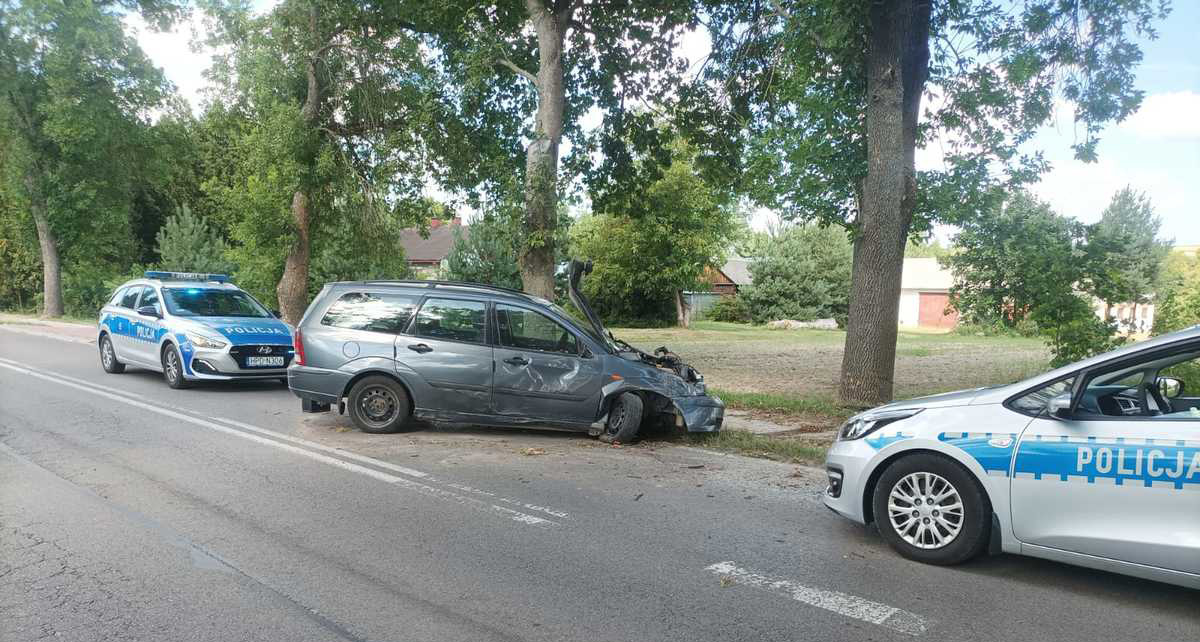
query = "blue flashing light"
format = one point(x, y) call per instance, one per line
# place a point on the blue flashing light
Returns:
point(187, 276)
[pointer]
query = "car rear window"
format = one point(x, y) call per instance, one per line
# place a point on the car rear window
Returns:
point(452, 319)
point(371, 311)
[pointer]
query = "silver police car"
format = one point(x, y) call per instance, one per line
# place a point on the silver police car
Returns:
point(1095, 464)
point(192, 327)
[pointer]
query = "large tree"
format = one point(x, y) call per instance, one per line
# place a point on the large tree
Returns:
point(828, 98)
point(1125, 249)
point(525, 72)
point(341, 122)
point(75, 94)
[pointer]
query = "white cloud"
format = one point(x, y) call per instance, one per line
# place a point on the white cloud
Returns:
point(1171, 115)
point(172, 51)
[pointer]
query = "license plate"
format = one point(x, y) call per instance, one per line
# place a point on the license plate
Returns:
point(264, 362)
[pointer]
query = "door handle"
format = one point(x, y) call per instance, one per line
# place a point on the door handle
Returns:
point(420, 348)
point(517, 361)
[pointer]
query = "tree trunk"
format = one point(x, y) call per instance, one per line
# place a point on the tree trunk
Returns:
point(897, 66)
point(52, 299)
point(541, 157)
point(292, 290)
point(683, 311)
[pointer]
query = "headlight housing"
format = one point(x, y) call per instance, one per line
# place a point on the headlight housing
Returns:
point(201, 341)
point(868, 422)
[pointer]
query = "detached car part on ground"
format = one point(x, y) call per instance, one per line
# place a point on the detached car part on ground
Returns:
point(1095, 464)
point(391, 352)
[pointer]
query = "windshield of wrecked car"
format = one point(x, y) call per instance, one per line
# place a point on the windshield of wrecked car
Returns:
point(583, 327)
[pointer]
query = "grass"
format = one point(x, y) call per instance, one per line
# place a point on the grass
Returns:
point(30, 317)
point(782, 404)
point(789, 450)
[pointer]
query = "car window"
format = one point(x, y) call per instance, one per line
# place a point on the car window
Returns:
point(529, 330)
point(452, 319)
point(149, 297)
point(207, 302)
point(129, 299)
point(117, 295)
point(1034, 402)
point(371, 311)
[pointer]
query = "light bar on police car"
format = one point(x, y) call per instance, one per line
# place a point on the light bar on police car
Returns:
point(187, 276)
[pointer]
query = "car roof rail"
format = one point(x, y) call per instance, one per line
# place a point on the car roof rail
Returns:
point(420, 283)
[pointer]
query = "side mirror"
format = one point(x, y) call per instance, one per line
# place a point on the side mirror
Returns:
point(1170, 387)
point(149, 311)
point(1060, 406)
point(586, 354)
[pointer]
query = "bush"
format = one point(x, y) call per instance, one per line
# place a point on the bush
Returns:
point(187, 243)
point(729, 308)
point(803, 274)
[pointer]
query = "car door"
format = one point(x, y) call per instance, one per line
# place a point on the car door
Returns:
point(447, 347)
point(147, 329)
point(120, 324)
point(1119, 487)
point(540, 370)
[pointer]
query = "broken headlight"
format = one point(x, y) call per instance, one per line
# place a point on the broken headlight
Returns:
point(872, 420)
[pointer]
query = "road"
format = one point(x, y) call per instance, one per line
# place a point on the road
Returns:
point(129, 511)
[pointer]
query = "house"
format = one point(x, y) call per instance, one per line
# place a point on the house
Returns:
point(728, 278)
point(426, 257)
point(925, 295)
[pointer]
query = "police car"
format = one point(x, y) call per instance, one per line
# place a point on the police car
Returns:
point(192, 327)
point(1095, 464)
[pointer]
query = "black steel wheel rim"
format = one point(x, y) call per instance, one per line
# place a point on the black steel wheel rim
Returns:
point(378, 405)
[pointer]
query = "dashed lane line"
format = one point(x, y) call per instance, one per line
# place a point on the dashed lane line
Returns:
point(845, 604)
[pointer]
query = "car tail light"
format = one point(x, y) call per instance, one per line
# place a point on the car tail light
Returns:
point(298, 344)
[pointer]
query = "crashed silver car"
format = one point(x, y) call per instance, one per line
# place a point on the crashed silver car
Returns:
point(391, 352)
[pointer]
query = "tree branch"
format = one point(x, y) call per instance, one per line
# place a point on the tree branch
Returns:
point(517, 70)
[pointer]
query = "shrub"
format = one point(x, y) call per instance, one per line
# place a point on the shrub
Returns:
point(803, 274)
point(187, 243)
point(729, 308)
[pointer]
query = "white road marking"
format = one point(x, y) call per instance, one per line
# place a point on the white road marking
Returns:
point(278, 440)
point(841, 603)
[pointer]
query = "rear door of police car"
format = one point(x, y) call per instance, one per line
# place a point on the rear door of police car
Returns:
point(1120, 487)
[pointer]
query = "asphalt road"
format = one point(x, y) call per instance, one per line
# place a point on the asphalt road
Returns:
point(129, 511)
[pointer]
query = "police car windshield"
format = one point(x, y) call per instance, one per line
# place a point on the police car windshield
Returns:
point(203, 302)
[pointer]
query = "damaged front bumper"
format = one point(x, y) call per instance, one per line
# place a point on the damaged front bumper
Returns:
point(700, 414)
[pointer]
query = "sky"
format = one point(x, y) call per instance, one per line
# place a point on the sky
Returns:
point(1156, 151)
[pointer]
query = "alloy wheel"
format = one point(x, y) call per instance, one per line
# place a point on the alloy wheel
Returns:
point(925, 510)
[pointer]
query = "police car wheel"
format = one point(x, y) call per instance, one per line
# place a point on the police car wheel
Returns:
point(379, 405)
point(930, 509)
point(108, 357)
point(172, 365)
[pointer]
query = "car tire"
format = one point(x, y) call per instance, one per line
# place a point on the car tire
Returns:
point(942, 532)
point(172, 365)
point(379, 405)
point(624, 419)
point(108, 357)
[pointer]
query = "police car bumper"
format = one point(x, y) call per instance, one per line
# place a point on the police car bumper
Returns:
point(847, 466)
point(229, 363)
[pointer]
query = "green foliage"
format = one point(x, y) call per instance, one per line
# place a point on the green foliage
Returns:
point(926, 250)
point(87, 287)
point(788, 120)
point(803, 274)
point(1177, 305)
point(678, 227)
point(1019, 268)
point(187, 243)
point(1125, 254)
point(732, 309)
point(486, 253)
point(77, 143)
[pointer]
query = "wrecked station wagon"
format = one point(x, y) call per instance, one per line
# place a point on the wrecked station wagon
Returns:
point(392, 353)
